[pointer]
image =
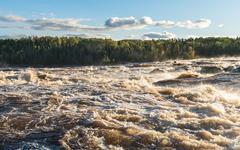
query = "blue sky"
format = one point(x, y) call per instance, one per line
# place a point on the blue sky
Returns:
point(121, 19)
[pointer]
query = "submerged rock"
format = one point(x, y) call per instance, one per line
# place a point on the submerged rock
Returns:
point(229, 68)
point(142, 65)
point(26, 146)
point(188, 75)
point(183, 68)
point(236, 70)
point(211, 69)
point(157, 70)
point(189, 80)
point(12, 77)
point(29, 145)
point(41, 75)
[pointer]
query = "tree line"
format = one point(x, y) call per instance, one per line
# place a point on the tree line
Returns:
point(79, 51)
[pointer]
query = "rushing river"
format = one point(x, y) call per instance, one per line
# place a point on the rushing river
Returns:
point(185, 105)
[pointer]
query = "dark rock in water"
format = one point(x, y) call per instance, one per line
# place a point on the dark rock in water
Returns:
point(157, 70)
point(183, 68)
point(229, 68)
point(34, 145)
point(216, 79)
point(204, 63)
point(9, 69)
point(168, 82)
point(28, 146)
point(236, 70)
point(42, 76)
point(12, 77)
point(34, 141)
point(177, 64)
point(211, 69)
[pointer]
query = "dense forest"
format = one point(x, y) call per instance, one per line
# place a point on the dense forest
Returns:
point(78, 51)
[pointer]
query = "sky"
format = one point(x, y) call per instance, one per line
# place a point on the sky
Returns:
point(120, 19)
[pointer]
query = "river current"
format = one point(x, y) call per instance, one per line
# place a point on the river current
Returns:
point(177, 104)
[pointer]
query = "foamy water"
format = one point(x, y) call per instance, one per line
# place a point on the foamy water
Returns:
point(184, 105)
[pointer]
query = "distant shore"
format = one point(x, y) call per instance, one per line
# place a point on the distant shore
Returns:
point(75, 51)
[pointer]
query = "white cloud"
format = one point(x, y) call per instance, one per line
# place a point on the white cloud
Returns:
point(128, 23)
point(221, 25)
point(87, 35)
point(13, 36)
point(113, 23)
point(132, 37)
point(92, 28)
point(54, 24)
point(14, 26)
point(155, 35)
point(146, 20)
point(198, 24)
point(12, 18)
point(40, 15)
point(165, 23)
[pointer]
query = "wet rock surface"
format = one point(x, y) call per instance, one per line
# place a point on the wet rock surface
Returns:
point(160, 105)
point(211, 69)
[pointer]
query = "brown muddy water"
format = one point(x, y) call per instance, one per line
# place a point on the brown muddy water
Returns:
point(183, 105)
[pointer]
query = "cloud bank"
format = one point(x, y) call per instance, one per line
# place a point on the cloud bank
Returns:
point(12, 18)
point(132, 22)
point(156, 36)
point(87, 36)
point(112, 23)
point(198, 24)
